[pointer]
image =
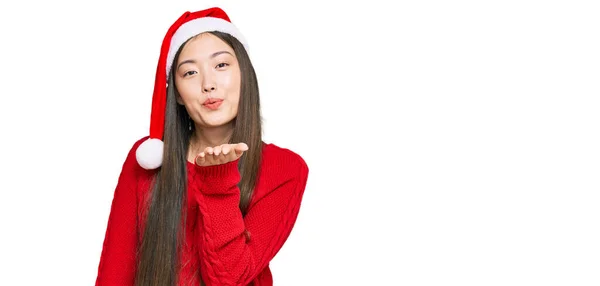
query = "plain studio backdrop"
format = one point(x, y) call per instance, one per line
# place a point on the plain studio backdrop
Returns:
point(449, 142)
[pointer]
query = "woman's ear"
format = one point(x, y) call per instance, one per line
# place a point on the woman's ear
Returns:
point(178, 99)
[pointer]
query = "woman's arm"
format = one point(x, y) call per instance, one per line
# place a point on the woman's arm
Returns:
point(117, 261)
point(236, 249)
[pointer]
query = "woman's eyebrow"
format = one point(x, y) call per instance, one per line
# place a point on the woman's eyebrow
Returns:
point(191, 61)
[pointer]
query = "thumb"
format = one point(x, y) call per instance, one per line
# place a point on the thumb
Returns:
point(240, 148)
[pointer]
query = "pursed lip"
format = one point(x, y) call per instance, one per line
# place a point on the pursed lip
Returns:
point(211, 101)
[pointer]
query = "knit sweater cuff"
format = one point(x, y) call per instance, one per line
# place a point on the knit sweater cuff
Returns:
point(219, 179)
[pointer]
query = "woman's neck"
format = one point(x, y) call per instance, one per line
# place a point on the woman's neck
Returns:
point(210, 137)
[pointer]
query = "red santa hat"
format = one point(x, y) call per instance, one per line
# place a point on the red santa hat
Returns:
point(149, 154)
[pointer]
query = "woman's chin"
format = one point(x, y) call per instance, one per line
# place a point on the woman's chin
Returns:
point(215, 122)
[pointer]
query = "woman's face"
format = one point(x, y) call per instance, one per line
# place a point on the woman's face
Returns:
point(207, 76)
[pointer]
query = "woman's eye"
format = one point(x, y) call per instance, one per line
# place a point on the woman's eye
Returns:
point(189, 73)
point(222, 65)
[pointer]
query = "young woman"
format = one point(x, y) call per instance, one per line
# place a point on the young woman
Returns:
point(202, 200)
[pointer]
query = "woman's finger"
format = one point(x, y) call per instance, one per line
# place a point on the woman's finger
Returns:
point(226, 148)
point(200, 158)
point(240, 148)
point(217, 150)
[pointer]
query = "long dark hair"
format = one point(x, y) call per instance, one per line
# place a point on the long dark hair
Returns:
point(163, 234)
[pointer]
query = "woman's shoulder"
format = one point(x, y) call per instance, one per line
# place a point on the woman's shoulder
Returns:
point(131, 159)
point(282, 157)
point(274, 156)
point(280, 166)
point(134, 146)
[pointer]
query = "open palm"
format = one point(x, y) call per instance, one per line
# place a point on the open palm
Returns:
point(220, 154)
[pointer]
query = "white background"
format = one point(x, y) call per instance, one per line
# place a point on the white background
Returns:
point(449, 142)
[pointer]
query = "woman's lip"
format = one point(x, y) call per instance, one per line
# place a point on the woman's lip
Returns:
point(209, 101)
point(213, 105)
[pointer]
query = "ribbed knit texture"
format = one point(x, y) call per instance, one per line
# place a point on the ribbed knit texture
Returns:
point(221, 246)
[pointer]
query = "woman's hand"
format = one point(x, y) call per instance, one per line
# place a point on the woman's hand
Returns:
point(220, 154)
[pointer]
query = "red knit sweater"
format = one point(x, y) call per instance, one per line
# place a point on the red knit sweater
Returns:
point(222, 246)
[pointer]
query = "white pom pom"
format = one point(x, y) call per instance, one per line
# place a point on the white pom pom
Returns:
point(150, 154)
